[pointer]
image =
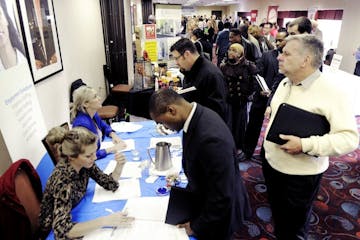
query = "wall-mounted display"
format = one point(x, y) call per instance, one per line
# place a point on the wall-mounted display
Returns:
point(41, 38)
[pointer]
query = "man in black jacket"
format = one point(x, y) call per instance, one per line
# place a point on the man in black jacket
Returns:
point(249, 48)
point(268, 67)
point(201, 74)
point(209, 164)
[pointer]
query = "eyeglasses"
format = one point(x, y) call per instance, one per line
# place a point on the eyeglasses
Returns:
point(177, 58)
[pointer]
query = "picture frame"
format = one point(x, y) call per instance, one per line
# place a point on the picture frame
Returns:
point(40, 38)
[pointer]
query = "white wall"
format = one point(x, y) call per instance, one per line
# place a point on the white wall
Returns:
point(83, 55)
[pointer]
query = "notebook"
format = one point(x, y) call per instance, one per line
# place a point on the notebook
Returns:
point(183, 206)
point(291, 120)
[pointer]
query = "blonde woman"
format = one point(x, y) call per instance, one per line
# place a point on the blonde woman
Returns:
point(84, 114)
point(68, 183)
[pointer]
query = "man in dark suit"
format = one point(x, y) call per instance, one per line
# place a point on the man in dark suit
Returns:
point(201, 74)
point(268, 67)
point(249, 48)
point(209, 163)
point(41, 32)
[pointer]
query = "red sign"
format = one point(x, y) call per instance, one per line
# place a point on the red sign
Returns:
point(253, 15)
point(272, 14)
point(150, 31)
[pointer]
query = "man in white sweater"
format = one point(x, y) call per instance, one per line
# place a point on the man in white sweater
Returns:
point(293, 170)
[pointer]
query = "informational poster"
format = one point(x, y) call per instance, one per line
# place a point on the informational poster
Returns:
point(21, 122)
point(168, 28)
point(272, 14)
point(336, 61)
point(150, 31)
point(312, 13)
point(151, 49)
point(253, 15)
point(22, 125)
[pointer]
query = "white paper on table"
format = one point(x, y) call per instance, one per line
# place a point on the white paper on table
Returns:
point(128, 188)
point(125, 126)
point(140, 230)
point(147, 208)
point(130, 170)
point(130, 145)
point(99, 234)
point(175, 141)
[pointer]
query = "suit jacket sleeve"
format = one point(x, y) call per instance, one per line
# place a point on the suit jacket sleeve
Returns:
point(218, 174)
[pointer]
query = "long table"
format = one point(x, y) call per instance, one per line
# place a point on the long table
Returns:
point(86, 209)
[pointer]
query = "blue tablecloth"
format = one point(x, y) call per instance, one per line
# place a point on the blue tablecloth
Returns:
point(86, 209)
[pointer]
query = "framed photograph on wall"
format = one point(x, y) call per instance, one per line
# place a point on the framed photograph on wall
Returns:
point(41, 38)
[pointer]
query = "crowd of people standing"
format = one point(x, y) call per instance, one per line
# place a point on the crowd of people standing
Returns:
point(291, 67)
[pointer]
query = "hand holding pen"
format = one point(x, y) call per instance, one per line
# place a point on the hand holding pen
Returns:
point(118, 219)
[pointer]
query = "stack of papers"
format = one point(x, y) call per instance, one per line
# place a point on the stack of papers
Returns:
point(130, 145)
point(128, 188)
point(125, 126)
point(130, 170)
point(149, 214)
point(140, 230)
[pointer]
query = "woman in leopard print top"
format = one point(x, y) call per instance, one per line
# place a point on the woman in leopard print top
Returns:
point(68, 182)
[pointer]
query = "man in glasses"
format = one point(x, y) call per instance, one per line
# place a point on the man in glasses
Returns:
point(205, 78)
point(293, 171)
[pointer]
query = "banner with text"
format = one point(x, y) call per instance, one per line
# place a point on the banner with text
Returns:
point(21, 123)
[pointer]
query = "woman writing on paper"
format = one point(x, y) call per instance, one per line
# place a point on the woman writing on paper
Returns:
point(68, 182)
point(84, 114)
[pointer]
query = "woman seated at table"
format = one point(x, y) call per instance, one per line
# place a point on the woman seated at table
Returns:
point(83, 113)
point(68, 182)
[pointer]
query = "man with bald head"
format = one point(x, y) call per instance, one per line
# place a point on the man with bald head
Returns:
point(209, 164)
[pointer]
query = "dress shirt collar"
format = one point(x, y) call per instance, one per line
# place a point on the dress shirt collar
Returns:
point(307, 81)
point(188, 120)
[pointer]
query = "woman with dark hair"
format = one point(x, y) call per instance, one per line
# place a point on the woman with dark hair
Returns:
point(203, 46)
point(11, 47)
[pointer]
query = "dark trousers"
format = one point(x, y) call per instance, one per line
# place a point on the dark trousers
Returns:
point(238, 121)
point(253, 129)
point(357, 68)
point(290, 198)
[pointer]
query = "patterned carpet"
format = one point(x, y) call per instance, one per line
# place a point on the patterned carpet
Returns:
point(336, 212)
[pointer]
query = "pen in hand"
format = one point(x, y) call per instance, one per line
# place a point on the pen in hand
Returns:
point(114, 228)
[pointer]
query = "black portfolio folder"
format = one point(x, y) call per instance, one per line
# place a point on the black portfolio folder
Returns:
point(291, 120)
point(183, 206)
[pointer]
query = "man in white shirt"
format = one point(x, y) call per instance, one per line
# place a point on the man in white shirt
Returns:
point(293, 170)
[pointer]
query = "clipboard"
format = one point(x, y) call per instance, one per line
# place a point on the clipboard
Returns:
point(182, 207)
point(291, 120)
